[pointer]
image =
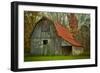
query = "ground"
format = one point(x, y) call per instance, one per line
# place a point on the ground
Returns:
point(46, 58)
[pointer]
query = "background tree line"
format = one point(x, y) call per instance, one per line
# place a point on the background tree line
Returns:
point(83, 34)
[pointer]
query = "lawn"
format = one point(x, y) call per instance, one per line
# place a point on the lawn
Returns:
point(46, 58)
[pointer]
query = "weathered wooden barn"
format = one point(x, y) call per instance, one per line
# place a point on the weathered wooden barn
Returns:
point(52, 38)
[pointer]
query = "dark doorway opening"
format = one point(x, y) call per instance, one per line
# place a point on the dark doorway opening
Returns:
point(66, 50)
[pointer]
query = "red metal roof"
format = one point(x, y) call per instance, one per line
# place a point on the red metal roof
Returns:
point(66, 35)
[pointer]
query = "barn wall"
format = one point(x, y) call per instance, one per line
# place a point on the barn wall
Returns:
point(38, 36)
point(77, 50)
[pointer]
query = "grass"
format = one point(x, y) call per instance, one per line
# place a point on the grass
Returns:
point(46, 58)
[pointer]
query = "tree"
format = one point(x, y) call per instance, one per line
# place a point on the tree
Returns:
point(84, 37)
point(29, 20)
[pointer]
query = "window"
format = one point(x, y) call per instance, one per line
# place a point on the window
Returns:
point(45, 42)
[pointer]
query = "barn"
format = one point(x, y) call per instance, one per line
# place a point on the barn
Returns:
point(52, 38)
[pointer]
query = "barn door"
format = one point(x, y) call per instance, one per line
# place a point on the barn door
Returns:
point(48, 47)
